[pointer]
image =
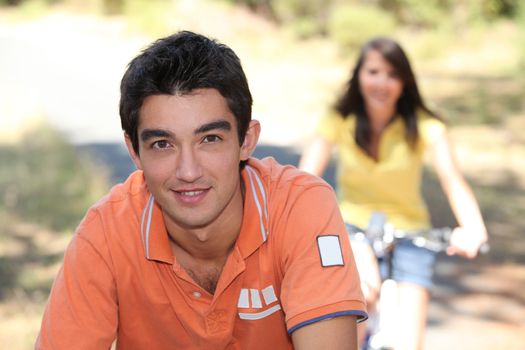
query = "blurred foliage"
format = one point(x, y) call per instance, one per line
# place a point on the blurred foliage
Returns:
point(108, 7)
point(266, 8)
point(408, 11)
point(112, 7)
point(492, 9)
point(415, 12)
point(350, 25)
point(307, 18)
point(483, 102)
point(148, 16)
point(46, 181)
point(433, 13)
point(428, 13)
point(433, 43)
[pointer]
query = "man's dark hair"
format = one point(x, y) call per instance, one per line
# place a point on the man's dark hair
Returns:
point(177, 65)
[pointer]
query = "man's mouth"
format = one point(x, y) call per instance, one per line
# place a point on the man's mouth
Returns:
point(191, 193)
point(191, 196)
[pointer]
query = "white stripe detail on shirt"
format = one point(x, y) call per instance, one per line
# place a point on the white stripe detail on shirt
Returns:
point(145, 231)
point(256, 299)
point(257, 203)
point(263, 194)
point(244, 301)
point(259, 315)
point(269, 295)
point(144, 211)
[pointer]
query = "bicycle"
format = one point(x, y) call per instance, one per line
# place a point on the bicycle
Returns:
point(383, 237)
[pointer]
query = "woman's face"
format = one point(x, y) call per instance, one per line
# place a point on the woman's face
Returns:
point(379, 84)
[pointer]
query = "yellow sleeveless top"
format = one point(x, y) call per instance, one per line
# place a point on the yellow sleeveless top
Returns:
point(392, 183)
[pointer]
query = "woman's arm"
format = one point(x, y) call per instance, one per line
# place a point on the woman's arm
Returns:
point(471, 233)
point(316, 156)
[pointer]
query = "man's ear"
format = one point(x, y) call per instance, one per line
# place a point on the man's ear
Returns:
point(250, 140)
point(134, 156)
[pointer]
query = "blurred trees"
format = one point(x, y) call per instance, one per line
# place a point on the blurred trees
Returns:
point(43, 179)
point(405, 11)
point(350, 25)
point(409, 11)
point(20, 2)
point(108, 7)
point(346, 20)
point(431, 12)
point(335, 18)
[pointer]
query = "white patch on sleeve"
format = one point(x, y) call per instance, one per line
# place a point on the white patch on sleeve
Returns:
point(330, 250)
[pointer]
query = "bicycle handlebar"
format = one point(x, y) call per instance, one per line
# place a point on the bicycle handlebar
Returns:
point(435, 239)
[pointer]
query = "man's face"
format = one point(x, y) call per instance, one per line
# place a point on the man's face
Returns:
point(189, 151)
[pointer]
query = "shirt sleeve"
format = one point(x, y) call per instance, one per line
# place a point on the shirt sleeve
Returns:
point(430, 129)
point(320, 276)
point(82, 308)
point(329, 127)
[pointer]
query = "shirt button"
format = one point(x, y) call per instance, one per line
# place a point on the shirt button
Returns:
point(196, 294)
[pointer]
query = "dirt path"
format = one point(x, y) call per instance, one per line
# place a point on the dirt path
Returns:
point(477, 305)
point(480, 304)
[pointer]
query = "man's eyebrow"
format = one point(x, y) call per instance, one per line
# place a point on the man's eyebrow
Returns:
point(219, 124)
point(147, 134)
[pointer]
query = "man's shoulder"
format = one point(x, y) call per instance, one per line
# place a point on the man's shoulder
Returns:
point(123, 194)
point(276, 174)
point(285, 182)
point(120, 204)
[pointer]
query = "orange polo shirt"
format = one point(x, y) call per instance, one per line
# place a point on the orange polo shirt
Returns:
point(291, 266)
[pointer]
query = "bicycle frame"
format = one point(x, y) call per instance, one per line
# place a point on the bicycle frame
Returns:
point(383, 238)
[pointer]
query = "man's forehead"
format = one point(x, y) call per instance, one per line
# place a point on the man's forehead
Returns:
point(195, 110)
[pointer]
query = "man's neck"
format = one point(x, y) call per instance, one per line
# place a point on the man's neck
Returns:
point(203, 255)
point(205, 244)
point(203, 265)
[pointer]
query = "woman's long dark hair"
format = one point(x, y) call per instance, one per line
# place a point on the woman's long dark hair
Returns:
point(410, 101)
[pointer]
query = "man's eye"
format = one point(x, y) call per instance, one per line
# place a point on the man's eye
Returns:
point(160, 144)
point(211, 138)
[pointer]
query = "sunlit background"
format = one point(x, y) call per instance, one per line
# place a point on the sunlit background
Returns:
point(61, 144)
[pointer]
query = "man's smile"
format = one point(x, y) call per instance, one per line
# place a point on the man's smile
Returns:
point(191, 196)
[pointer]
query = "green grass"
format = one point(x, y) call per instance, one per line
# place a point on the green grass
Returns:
point(29, 260)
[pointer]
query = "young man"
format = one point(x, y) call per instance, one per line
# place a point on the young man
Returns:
point(203, 247)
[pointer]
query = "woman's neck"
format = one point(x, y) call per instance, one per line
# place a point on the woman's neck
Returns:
point(379, 119)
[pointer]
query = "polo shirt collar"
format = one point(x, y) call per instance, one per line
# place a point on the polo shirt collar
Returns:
point(254, 228)
point(154, 234)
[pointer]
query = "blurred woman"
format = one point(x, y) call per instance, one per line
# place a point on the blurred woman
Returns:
point(382, 131)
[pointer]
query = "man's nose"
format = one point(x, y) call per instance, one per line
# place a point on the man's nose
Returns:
point(188, 166)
